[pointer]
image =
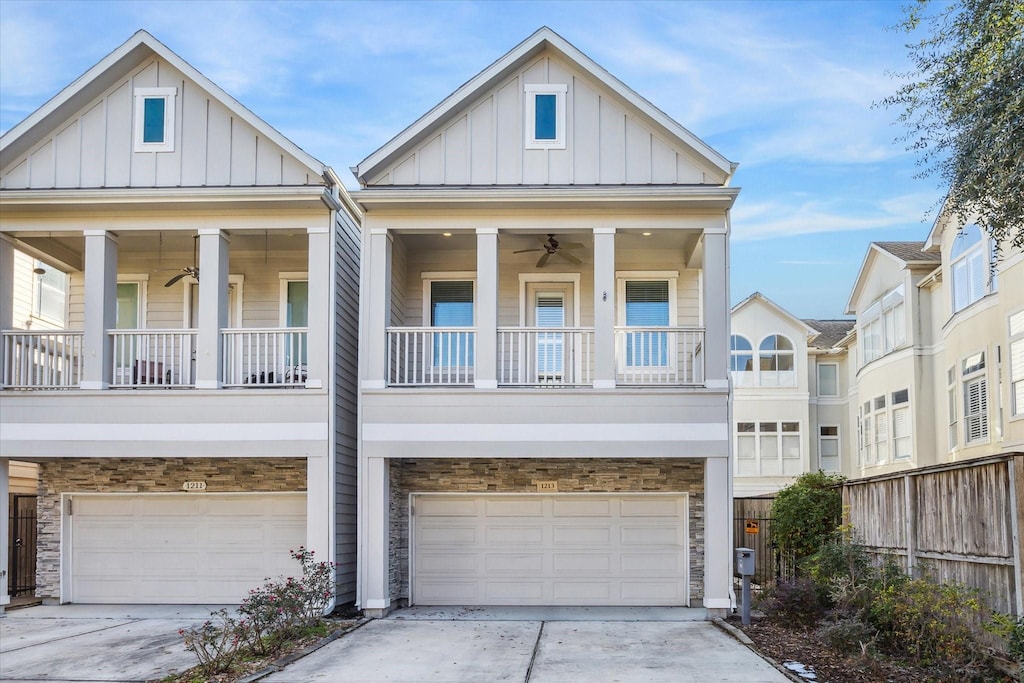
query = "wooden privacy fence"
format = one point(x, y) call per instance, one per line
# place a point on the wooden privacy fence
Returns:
point(956, 523)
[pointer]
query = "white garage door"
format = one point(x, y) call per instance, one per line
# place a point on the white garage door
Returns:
point(573, 549)
point(181, 549)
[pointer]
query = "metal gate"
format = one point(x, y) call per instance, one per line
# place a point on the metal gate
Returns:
point(21, 569)
point(754, 529)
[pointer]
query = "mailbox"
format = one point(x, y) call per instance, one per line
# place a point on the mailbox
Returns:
point(745, 561)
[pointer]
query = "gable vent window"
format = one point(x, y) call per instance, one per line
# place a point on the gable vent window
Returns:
point(154, 119)
point(545, 115)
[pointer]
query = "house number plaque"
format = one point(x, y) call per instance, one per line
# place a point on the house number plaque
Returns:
point(547, 485)
point(194, 486)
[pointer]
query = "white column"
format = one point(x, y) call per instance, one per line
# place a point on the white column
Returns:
point(376, 594)
point(378, 313)
point(319, 494)
point(5, 506)
point(318, 348)
point(100, 308)
point(716, 310)
point(6, 294)
point(213, 306)
point(604, 308)
point(717, 523)
point(486, 308)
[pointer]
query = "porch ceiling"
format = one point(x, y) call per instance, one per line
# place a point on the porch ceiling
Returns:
point(514, 240)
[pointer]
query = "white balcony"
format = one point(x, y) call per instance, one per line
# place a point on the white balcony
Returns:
point(430, 356)
point(48, 359)
point(153, 358)
point(659, 356)
point(264, 357)
point(545, 356)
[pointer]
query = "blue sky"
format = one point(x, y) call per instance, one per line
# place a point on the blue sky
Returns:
point(784, 88)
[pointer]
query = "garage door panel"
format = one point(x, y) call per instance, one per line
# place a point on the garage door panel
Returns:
point(511, 507)
point(583, 550)
point(582, 564)
point(582, 507)
point(167, 549)
point(503, 564)
point(522, 536)
point(581, 535)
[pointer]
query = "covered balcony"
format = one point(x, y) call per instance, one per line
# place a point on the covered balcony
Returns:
point(577, 309)
point(165, 310)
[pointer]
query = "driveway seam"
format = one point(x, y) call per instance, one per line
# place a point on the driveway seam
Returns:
point(75, 635)
point(533, 656)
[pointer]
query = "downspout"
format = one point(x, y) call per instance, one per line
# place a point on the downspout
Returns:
point(729, 426)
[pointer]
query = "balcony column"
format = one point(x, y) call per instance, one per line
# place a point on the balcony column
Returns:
point(100, 308)
point(716, 310)
point(6, 302)
point(376, 591)
point(319, 312)
point(5, 507)
point(604, 308)
point(378, 308)
point(486, 352)
point(213, 306)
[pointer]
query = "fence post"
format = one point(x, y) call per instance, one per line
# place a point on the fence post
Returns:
point(1015, 474)
point(910, 522)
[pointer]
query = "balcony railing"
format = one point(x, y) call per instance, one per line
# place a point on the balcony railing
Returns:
point(431, 356)
point(264, 357)
point(653, 356)
point(545, 356)
point(153, 358)
point(45, 359)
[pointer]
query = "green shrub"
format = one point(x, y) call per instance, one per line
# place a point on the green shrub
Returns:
point(1010, 629)
point(849, 635)
point(807, 513)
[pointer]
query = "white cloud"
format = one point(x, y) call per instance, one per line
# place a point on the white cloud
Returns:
point(772, 219)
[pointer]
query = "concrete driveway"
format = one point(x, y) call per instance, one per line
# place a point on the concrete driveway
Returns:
point(424, 645)
point(75, 643)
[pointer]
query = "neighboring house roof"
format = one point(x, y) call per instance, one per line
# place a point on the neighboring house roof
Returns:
point(543, 39)
point(106, 73)
point(830, 332)
point(909, 254)
point(761, 298)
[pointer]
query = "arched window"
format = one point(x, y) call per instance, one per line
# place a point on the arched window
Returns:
point(775, 362)
point(969, 268)
point(741, 354)
point(776, 353)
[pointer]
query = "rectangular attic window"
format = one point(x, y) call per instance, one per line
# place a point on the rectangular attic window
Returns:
point(154, 119)
point(544, 115)
point(545, 122)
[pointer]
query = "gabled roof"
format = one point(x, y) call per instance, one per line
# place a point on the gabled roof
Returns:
point(106, 73)
point(758, 296)
point(908, 254)
point(830, 332)
point(544, 38)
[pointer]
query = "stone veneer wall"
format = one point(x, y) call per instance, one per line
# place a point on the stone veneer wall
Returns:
point(494, 475)
point(144, 475)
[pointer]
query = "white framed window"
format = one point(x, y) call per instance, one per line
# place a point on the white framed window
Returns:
point(975, 398)
point(969, 267)
point(881, 427)
point(828, 379)
point(867, 421)
point(49, 293)
point(776, 362)
point(901, 425)
point(131, 301)
point(1016, 322)
point(646, 301)
point(154, 119)
point(883, 325)
point(741, 361)
point(449, 301)
point(544, 117)
point(768, 448)
point(828, 447)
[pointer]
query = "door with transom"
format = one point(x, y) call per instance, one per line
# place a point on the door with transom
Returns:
point(552, 355)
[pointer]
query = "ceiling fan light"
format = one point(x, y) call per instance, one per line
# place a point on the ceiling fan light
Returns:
point(446, 234)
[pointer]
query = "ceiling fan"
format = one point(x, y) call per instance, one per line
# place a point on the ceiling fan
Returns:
point(552, 247)
point(188, 271)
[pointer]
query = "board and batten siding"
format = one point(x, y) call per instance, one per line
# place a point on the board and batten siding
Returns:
point(957, 523)
point(608, 142)
point(213, 147)
point(346, 376)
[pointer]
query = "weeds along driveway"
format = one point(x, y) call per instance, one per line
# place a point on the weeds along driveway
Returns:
point(397, 650)
point(96, 642)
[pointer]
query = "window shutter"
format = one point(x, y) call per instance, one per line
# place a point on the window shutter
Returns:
point(550, 311)
point(976, 409)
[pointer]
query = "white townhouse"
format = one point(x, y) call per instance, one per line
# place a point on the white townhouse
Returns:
point(193, 414)
point(789, 405)
point(544, 381)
